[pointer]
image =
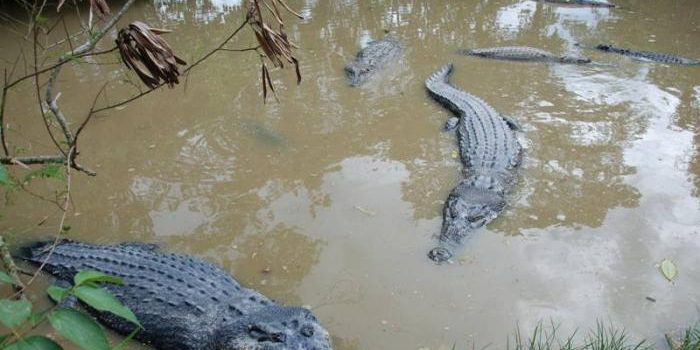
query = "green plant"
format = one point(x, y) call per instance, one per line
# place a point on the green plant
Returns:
point(74, 325)
point(689, 339)
point(548, 337)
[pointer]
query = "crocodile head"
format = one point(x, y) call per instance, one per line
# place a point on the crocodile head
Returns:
point(604, 47)
point(357, 73)
point(274, 328)
point(468, 207)
point(574, 59)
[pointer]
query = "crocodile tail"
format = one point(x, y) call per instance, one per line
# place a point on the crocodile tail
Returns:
point(440, 76)
point(438, 85)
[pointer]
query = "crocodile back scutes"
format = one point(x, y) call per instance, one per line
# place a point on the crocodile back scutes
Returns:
point(485, 139)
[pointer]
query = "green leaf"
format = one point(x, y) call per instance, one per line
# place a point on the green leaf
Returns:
point(5, 278)
point(4, 176)
point(84, 277)
point(14, 312)
point(41, 19)
point(101, 299)
point(57, 293)
point(669, 269)
point(80, 329)
point(47, 171)
point(34, 342)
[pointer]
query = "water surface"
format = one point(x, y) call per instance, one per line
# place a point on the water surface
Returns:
point(332, 197)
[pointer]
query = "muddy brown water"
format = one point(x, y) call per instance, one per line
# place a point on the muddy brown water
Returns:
point(332, 197)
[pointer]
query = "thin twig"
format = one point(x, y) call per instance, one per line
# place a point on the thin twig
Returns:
point(90, 113)
point(58, 64)
point(2, 113)
point(240, 50)
point(57, 239)
point(65, 29)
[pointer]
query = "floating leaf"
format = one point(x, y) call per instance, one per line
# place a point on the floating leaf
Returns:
point(34, 342)
point(101, 299)
point(669, 269)
point(14, 312)
point(5, 278)
point(79, 329)
point(57, 293)
point(88, 276)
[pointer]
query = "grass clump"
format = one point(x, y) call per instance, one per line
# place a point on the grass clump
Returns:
point(602, 337)
point(689, 339)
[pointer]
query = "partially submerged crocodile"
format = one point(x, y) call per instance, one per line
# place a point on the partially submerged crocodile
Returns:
point(592, 3)
point(648, 55)
point(523, 53)
point(183, 302)
point(373, 57)
point(489, 151)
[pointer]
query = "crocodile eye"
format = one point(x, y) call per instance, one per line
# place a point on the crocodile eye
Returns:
point(475, 218)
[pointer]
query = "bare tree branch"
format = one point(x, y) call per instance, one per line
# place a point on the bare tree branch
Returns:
point(10, 265)
point(47, 159)
point(38, 96)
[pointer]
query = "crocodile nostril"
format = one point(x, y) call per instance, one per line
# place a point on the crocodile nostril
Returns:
point(307, 331)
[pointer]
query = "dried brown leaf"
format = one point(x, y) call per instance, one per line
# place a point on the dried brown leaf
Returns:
point(150, 56)
point(274, 43)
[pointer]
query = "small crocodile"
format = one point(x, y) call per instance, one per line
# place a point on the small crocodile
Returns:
point(376, 55)
point(592, 3)
point(523, 53)
point(648, 55)
point(489, 151)
point(184, 302)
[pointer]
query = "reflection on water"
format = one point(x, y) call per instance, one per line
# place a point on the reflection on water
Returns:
point(512, 19)
point(332, 197)
point(197, 11)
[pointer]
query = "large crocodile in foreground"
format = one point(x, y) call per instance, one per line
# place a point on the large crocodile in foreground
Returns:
point(523, 53)
point(372, 58)
point(184, 303)
point(490, 153)
point(648, 55)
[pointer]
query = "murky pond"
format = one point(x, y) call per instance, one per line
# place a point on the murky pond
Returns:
point(332, 197)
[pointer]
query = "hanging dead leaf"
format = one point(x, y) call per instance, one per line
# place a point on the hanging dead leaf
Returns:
point(143, 50)
point(275, 44)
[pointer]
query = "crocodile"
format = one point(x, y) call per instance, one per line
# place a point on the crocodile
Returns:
point(523, 53)
point(648, 55)
point(490, 153)
point(591, 3)
point(183, 302)
point(376, 55)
